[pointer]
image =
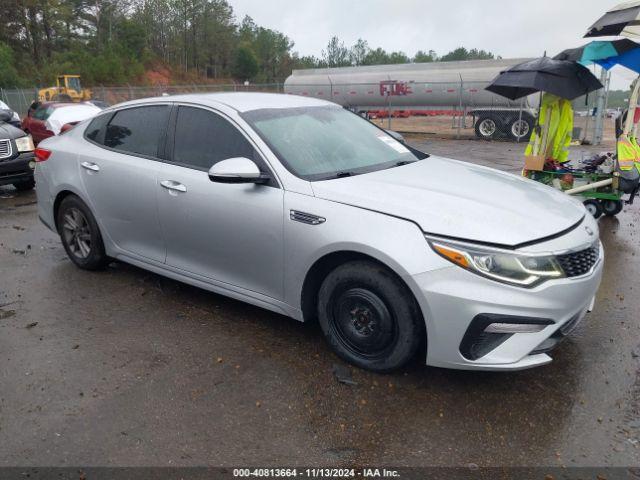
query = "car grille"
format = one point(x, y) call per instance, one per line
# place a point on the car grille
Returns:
point(578, 263)
point(5, 149)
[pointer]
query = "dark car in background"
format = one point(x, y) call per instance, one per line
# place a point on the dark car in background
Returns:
point(17, 159)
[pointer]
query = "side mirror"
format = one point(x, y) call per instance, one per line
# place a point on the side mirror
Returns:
point(237, 170)
point(397, 136)
point(6, 116)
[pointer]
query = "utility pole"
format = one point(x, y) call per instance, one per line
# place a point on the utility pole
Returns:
point(600, 107)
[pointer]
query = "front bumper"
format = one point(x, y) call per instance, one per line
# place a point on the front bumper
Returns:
point(452, 297)
point(17, 169)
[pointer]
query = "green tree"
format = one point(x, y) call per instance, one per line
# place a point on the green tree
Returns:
point(9, 77)
point(462, 53)
point(359, 52)
point(425, 57)
point(245, 65)
point(336, 54)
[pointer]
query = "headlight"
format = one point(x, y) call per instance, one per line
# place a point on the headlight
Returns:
point(500, 265)
point(25, 144)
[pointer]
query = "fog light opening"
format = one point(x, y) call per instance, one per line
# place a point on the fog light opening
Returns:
point(514, 328)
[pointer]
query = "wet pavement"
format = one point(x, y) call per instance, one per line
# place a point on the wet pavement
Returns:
point(124, 367)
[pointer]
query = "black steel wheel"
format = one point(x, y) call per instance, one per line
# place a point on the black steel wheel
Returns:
point(369, 317)
point(612, 207)
point(80, 234)
point(362, 322)
point(593, 206)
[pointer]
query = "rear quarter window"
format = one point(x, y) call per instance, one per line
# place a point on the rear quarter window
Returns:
point(96, 129)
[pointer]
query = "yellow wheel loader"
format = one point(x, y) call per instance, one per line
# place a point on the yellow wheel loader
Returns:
point(67, 89)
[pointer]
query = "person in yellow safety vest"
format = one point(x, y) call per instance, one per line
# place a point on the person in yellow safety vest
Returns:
point(556, 117)
point(636, 147)
point(627, 152)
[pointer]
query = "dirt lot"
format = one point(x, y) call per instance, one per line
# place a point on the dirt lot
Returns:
point(446, 127)
point(124, 367)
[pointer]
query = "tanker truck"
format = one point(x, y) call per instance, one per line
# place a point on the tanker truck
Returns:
point(424, 86)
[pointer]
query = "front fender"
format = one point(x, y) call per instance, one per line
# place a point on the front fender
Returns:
point(399, 244)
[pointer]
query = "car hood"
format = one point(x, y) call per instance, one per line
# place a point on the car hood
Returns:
point(457, 199)
point(8, 131)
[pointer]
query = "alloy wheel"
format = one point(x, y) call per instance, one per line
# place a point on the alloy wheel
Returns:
point(76, 232)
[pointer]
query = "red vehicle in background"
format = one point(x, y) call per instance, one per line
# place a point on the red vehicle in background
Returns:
point(47, 119)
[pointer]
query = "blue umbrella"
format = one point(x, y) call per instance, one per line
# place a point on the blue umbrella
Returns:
point(607, 54)
point(630, 59)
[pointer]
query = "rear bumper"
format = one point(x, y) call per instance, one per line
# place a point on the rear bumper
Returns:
point(17, 169)
point(452, 299)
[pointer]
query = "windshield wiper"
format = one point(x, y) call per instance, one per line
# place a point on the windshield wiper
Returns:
point(344, 174)
point(404, 162)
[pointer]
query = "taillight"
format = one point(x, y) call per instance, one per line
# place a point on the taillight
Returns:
point(42, 154)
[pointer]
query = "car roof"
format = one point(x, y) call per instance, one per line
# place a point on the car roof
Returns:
point(240, 101)
point(57, 104)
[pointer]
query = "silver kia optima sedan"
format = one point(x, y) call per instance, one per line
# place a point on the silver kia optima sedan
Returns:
point(301, 207)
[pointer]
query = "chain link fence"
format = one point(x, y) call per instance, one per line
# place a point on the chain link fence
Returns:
point(445, 110)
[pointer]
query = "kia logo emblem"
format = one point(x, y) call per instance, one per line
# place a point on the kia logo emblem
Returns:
point(589, 231)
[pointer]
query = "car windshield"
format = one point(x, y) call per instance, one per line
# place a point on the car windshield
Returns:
point(318, 143)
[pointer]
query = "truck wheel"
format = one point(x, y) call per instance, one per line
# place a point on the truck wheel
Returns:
point(486, 127)
point(369, 317)
point(520, 129)
point(611, 207)
point(593, 207)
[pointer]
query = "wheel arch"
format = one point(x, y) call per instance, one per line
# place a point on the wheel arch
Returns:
point(326, 264)
point(63, 193)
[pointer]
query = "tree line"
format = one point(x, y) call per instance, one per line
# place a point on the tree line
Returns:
point(113, 42)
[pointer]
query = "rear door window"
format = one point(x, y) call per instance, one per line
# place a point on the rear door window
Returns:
point(203, 138)
point(138, 130)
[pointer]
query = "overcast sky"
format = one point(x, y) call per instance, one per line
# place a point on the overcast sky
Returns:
point(510, 28)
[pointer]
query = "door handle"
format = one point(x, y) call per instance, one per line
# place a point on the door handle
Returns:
point(173, 185)
point(90, 166)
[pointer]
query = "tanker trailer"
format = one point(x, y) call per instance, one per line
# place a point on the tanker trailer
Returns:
point(423, 86)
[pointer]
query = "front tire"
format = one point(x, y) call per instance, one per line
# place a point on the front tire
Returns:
point(80, 235)
point(369, 317)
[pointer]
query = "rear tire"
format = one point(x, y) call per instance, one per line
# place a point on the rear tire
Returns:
point(486, 127)
point(520, 128)
point(593, 207)
point(25, 185)
point(612, 207)
point(369, 317)
point(80, 234)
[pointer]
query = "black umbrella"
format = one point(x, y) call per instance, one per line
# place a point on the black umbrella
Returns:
point(565, 79)
point(623, 19)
